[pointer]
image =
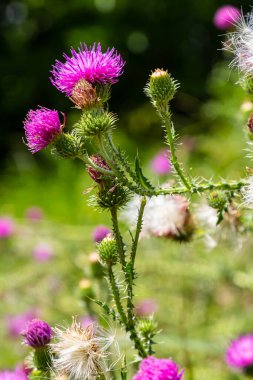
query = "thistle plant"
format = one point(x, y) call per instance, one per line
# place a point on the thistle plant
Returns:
point(86, 78)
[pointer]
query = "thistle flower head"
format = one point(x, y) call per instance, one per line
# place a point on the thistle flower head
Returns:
point(41, 127)
point(81, 352)
point(88, 63)
point(152, 368)
point(37, 333)
point(96, 175)
point(226, 16)
point(239, 354)
point(247, 192)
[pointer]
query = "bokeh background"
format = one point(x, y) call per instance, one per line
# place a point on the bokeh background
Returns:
point(203, 299)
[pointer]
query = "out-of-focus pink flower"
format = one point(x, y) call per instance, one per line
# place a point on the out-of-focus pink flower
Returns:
point(161, 163)
point(100, 232)
point(16, 374)
point(6, 227)
point(34, 214)
point(146, 307)
point(16, 323)
point(226, 16)
point(86, 321)
point(42, 252)
point(239, 354)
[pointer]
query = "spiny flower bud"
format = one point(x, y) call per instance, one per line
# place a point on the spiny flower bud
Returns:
point(95, 265)
point(110, 196)
point(95, 122)
point(96, 175)
point(68, 146)
point(37, 333)
point(84, 95)
point(147, 327)
point(107, 250)
point(85, 289)
point(161, 87)
point(217, 200)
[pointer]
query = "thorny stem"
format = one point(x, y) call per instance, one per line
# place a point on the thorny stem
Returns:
point(201, 188)
point(131, 328)
point(119, 241)
point(116, 295)
point(138, 230)
point(85, 158)
point(170, 136)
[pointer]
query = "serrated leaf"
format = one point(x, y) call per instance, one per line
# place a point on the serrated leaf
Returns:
point(144, 182)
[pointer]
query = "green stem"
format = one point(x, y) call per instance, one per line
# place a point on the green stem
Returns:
point(119, 241)
point(138, 229)
point(170, 135)
point(89, 161)
point(232, 186)
point(116, 296)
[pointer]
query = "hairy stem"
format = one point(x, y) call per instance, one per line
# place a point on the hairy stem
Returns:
point(170, 136)
point(119, 241)
point(116, 296)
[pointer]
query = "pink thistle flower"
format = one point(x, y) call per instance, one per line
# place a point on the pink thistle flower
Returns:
point(146, 307)
point(6, 227)
point(239, 354)
point(160, 163)
point(226, 16)
point(90, 64)
point(37, 333)
point(17, 374)
point(16, 323)
point(152, 368)
point(100, 232)
point(34, 214)
point(42, 252)
point(41, 127)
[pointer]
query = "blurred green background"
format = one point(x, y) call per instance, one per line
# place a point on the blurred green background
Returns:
point(204, 298)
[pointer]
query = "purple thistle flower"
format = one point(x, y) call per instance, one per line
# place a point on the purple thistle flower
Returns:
point(37, 333)
point(152, 368)
point(239, 354)
point(6, 227)
point(226, 16)
point(17, 374)
point(41, 127)
point(100, 232)
point(16, 323)
point(160, 163)
point(88, 63)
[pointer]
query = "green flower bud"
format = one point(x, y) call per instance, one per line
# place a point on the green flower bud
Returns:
point(161, 87)
point(107, 250)
point(217, 200)
point(68, 146)
point(147, 327)
point(95, 122)
point(42, 359)
point(115, 195)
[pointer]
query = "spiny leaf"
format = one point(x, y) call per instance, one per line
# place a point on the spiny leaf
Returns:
point(144, 182)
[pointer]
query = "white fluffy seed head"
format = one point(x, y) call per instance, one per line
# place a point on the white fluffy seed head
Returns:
point(240, 43)
point(164, 215)
point(81, 353)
